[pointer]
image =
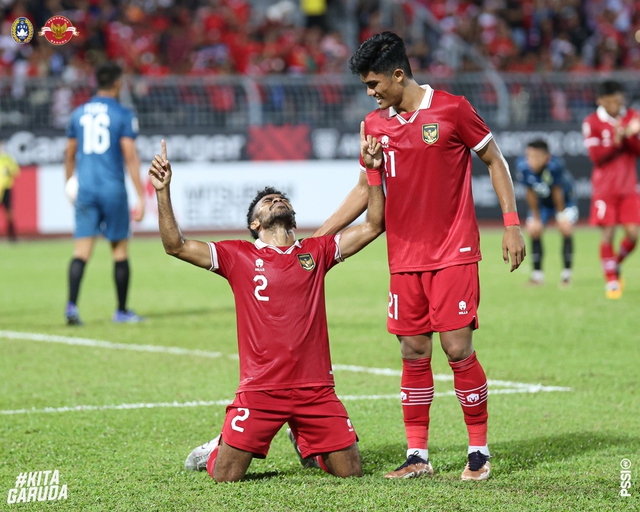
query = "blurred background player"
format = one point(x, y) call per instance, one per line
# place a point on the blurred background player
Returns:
point(550, 193)
point(285, 364)
point(611, 138)
point(101, 143)
point(9, 170)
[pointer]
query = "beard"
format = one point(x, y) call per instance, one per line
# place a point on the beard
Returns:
point(284, 217)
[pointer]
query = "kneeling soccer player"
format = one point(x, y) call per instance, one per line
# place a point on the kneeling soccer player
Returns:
point(285, 365)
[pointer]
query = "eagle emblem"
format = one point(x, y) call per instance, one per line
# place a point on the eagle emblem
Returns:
point(58, 30)
point(306, 261)
point(430, 133)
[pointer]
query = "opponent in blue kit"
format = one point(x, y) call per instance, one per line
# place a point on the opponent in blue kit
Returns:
point(101, 144)
point(550, 193)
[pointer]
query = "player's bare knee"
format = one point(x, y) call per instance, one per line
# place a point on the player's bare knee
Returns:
point(415, 347)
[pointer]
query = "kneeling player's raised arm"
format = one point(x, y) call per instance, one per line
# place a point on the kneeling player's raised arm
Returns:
point(193, 251)
point(355, 238)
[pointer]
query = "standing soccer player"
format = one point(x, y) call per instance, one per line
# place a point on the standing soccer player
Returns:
point(285, 365)
point(432, 237)
point(550, 193)
point(611, 137)
point(101, 143)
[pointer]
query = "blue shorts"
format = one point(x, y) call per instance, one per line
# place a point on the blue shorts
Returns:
point(549, 212)
point(105, 212)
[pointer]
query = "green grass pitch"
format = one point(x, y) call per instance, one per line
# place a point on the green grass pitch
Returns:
point(552, 449)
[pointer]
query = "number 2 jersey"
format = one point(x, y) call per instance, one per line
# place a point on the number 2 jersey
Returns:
point(98, 126)
point(429, 215)
point(283, 341)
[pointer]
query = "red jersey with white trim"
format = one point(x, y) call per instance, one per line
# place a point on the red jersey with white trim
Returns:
point(614, 167)
point(430, 216)
point(283, 340)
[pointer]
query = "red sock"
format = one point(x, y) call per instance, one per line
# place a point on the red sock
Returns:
point(322, 465)
point(608, 260)
point(417, 395)
point(470, 384)
point(211, 461)
point(626, 246)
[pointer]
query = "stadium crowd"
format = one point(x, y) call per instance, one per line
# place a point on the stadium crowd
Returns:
point(209, 37)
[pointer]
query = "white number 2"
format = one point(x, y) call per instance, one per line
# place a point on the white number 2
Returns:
point(96, 136)
point(601, 208)
point(263, 284)
point(244, 414)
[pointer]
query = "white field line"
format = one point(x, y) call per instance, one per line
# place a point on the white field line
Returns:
point(85, 342)
point(534, 388)
point(504, 387)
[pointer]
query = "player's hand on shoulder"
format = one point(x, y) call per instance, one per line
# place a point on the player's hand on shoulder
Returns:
point(370, 150)
point(160, 170)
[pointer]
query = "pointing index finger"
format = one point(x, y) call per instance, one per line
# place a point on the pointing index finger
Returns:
point(362, 137)
point(164, 150)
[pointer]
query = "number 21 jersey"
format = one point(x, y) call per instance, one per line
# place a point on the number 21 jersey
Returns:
point(430, 216)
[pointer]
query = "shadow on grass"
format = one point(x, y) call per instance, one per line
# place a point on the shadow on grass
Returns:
point(261, 476)
point(509, 456)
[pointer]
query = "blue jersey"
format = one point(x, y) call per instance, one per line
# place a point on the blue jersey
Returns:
point(98, 125)
point(554, 174)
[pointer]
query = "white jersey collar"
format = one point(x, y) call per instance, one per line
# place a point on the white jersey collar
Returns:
point(263, 245)
point(424, 104)
point(606, 118)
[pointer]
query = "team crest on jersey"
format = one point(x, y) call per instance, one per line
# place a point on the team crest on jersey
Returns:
point(430, 133)
point(306, 262)
point(22, 30)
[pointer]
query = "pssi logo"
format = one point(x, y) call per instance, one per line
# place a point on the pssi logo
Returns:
point(58, 30)
point(22, 30)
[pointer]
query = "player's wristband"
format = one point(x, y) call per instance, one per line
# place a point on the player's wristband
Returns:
point(374, 177)
point(511, 219)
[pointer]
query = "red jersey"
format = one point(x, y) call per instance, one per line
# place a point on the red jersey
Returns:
point(430, 216)
point(614, 167)
point(280, 309)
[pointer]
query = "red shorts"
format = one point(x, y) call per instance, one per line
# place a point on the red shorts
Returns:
point(612, 210)
point(316, 416)
point(434, 301)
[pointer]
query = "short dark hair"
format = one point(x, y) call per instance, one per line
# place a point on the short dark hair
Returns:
point(539, 144)
point(107, 73)
point(609, 87)
point(251, 214)
point(381, 53)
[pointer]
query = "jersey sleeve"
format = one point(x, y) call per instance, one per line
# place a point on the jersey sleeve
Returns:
point(223, 257)
point(72, 129)
point(473, 131)
point(130, 124)
point(598, 152)
point(330, 250)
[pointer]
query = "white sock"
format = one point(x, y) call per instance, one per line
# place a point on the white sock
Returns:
point(484, 450)
point(423, 454)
